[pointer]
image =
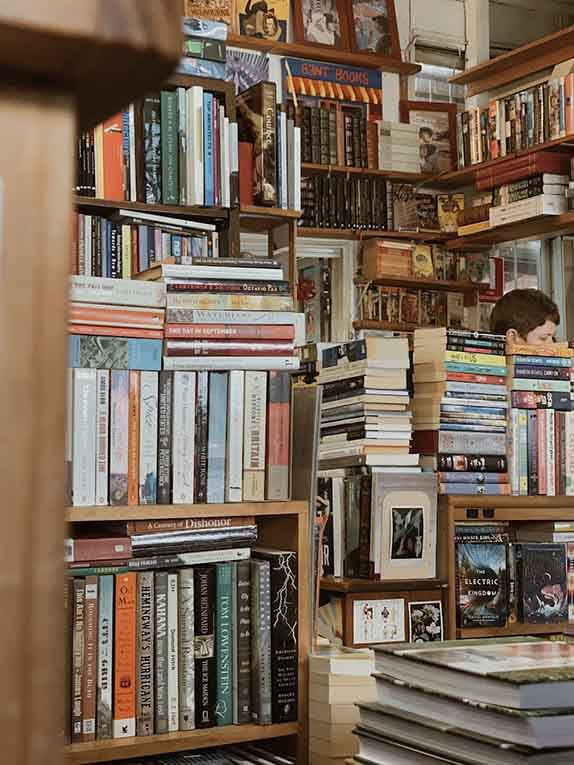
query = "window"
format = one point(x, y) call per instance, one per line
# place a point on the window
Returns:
point(521, 264)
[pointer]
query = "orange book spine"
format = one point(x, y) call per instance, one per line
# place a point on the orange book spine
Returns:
point(133, 438)
point(114, 187)
point(124, 724)
point(96, 329)
point(278, 436)
point(135, 250)
point(85, 313)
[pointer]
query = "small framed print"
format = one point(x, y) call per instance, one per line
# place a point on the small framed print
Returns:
point(407, 533)
point(378, 620)
point(425, 621)
point(437, 133)
point(321, 22)
point(373, 27)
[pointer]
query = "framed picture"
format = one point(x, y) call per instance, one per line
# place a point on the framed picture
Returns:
point(437, 133)
point(266, 19)
point(321, 22)
point(425, 621)
point(377, 620)
point(373, 27)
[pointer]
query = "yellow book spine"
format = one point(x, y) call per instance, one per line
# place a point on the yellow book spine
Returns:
point(483, 359)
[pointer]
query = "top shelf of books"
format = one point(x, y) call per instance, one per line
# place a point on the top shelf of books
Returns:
point(326, 53)
point(522, 62)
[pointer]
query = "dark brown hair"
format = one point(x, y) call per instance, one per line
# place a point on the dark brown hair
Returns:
point(523, 310)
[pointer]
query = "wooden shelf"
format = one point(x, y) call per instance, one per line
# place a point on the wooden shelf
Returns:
point(330, 54)
point(258, 219)
point(386, 326)
point(345, 584)
point(345, 233)
point(121, 749)
point(541, 227)
point(511, 630)
point(310, 167)
point(155, 512)
point(523, 61)
point(218, 213)
point(414, 283)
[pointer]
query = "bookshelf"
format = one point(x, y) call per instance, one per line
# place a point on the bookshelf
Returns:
point(540, 227)
point(385, 326)
point(358, 234)
point(414, 283)
point(511, 510)
point(310, 167)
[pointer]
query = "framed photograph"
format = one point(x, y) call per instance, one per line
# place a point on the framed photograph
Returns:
point(321, 22)
point(425, 621)
point(437, 133)
point(378, 621)
point(265, 19)
point(373, 27)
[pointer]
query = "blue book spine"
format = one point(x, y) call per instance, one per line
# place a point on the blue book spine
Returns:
point(224, 644)
point(543, 361)
point(447, 426)
point(101, 352)
point(143, 251)
point(477, 410)
point(458, 476)
point(126, 151)
point(208, 151)
point(176, 247)
point(475, 369)
point(474, 489)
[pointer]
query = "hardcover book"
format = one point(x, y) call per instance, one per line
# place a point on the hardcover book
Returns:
point(145, 653)
point(256, 116)
point(205, 666)
point(186, 650)
point(161, 653)
point(105, 657)
point(242, 648)
point(261, 709)
point(124, 724)
point(541, 580)
point(224, 644)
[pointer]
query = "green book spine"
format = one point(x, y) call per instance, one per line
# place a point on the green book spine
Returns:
point(224, 645)
point(169, 148)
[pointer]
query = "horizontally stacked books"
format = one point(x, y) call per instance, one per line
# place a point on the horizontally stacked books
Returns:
point(247, 754)
point(501, 584)
point(543, 194)
point(400, 147)
point(176, 625)
point(541, 423)
point(338, 679)
point(460, 409)
point(502, 701)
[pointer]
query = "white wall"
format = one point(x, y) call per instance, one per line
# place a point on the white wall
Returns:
point(516, 22)
point(434, 22)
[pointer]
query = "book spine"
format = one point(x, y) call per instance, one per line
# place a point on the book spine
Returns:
point(164, 456)
point(235, 412)
point(224, 644)
point(216, 442)
point(196, 147)
point(119, 428)
point(242, 649)
point(148, 438)
point(261, 711)
point(205, 668)
point(78, 658)
point(201, 436)
point(254, 436)
point(104, 698)
point(145, 653)
point(569, 449)
point(120, 292)
point(103, 352)
point(152, 149)
point(570, 579)
point(229, 302)
point(550, 453)
point(278, 436)
point(172, 653)
point(532, 451)
point(186, 651)
point(84, 438)
point(90, 659)
point(541, 427)
point(161, 653)
point(365, 529)
point(182, 144)
point(226, 363)
point(209, 150)
point(183, 432)
point(124, 723)
point(169, 147)
point(133, 438)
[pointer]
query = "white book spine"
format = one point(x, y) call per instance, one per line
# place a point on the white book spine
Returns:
point(104, 681)
point(284, 200)
point(84, 438)
point(119, 422)
point(233, 151)
point(182, 142)
point(297, 168)
point(69, 448)
point(102, 439)
point(220, 363)
point(132, 139)
point(186, 651)
point(254, 436)
point(148, 437)
point(550, 453)
point(225, 160)
point(234, 471)
point(183, 436)
point(173, 653)
point(124, 292)
point(196, 149)
point(338, 496)
point(290, 163)
point(189, 137)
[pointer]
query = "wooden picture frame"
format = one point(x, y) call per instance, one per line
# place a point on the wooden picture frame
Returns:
point(320, 30)
point(373, 27)
point(437, 144)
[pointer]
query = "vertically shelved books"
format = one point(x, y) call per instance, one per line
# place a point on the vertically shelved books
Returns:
point(460, 409)
point(176, 147)
point(187, 627)
point(540, 422)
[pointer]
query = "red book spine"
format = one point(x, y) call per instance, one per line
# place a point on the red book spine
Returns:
point(90, 659)
point(521, 167)
point(125, 656)
point(113, 159)
point(133, 438)
point(278, 436)
point(481, 379)
point(236, 332)
point(249, 287)
point(100, 548)
point(224, 348)
point(541, 420)
point(245, 173)
point(96, 329)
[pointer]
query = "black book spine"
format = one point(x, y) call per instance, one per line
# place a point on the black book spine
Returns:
point(333, 212)
point(315, 135)
point(243, 648)
point(325, 494)
point(365, 568)
point(348, 127)
point(97, 242)
point(333, 135)
point(201, 432)
point(205, 668)
point(539, 372)
point(152, 257)
point(532, 454)
point(324, 136)
point(306, 135)
point(472, 463)
point(164, 458)
point(115, 272)
point(363, 139)
point(152, 148)
point(356, 138)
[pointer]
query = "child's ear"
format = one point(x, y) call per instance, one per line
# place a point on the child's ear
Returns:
point(512, 336)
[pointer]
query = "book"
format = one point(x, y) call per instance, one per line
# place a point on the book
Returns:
point(278, 436)
point(145, 633)
point(84, 437)
point(261, 683)
point(186, 629)
point(104, 697)
point(89, 678)
point(161, 653)
point(184, 386)
point(242, 644)
point(254, 436)
point(541, 583)
point(205, 667)
point(124, 723)
point(79, 589)
point(257, 125)
point(224, 644)
point(172, 653)
point(114, 352)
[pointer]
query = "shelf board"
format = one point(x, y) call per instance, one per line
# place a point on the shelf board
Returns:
point(525, 60)
point(414, 283)
point(122, 749)
point(329, 54)
point(258, 219)
point(511, 630)
point(386, 326)
point(310, 167)
point(540, 227)
point(154, 512)
point(346, 584)
point(218, 213)
point(345, 233)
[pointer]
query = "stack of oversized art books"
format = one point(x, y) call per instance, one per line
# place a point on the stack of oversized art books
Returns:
point(501, 701)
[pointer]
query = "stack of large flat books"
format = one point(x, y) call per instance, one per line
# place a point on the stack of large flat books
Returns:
point(504, 701)
point(460, 408)
point(399, 147)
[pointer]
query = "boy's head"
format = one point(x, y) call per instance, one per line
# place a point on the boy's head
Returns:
point(525, 316)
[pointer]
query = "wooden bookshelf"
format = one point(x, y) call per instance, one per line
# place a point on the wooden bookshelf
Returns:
point(324, 53)
point(521, 62)
point(126, 748)
point(179, 211)
point(310, 167)
point(411, 282)
point(346, 584)
point(258, 219)
point(385, 326)
point(540, 227)
point(346, 233)
point(156, 512)
point(488, 510)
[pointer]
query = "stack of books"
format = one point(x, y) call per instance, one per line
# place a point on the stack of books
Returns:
point(176, 625)
point(365, 417)
point(339, 678)
point(460, 409)
point(247, 754)
point(204, 48)
point(506, 700)
point(543, 194)
point(540, 422)
point(399, 147)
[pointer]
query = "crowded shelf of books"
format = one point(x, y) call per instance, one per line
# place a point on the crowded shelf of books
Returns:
point(213, 617)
